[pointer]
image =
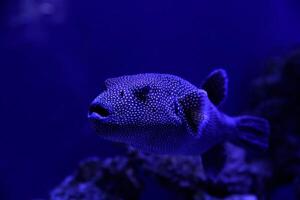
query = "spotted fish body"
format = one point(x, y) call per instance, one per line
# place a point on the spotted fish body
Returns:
point(165, 114)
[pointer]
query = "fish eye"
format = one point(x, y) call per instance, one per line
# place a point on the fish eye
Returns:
point(142, 93)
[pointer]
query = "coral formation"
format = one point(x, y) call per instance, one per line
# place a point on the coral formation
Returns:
point(276, 97)
point(122, 177)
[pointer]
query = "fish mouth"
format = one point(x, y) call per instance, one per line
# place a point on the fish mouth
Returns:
point(98, 112)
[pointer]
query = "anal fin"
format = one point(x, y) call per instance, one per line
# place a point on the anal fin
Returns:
point(214, 160)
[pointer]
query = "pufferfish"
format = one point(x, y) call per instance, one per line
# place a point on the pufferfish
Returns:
point(165, 114)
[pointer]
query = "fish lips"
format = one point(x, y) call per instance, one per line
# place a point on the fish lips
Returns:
point(95, 117)
point(99, 113)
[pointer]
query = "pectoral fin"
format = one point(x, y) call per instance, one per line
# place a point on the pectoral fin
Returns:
point(193, 111)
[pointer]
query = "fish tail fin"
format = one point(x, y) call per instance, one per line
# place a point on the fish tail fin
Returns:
point(253, 132)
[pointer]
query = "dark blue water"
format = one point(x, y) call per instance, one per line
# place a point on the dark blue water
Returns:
point(51, 70)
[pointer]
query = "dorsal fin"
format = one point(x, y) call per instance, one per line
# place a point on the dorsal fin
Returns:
point(216, 86)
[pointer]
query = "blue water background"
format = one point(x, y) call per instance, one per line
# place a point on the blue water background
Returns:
point(50, 72)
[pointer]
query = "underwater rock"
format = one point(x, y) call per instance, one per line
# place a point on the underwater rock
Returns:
point(123, 177)
point(276, 97)
point(186, 173)
point(71, 190)
point(109, 179)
